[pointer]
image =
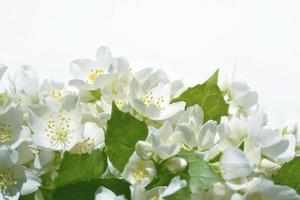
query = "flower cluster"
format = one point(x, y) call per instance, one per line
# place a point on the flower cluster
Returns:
point(126, 134)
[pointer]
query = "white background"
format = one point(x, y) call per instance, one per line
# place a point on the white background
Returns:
point(188, 39)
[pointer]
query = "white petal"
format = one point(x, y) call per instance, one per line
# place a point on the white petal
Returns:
point(106, 194)
point(266, 189)
point(206, 136)
point(32, 183)
point(80, 68)
point(177, 88)
point(93, 131)
point(81, 85)
point(103, 57)
point(170, 110)
point(235, 164)
point(188, 135)
point(8, 157)
point(175, 185)
point(3, 68)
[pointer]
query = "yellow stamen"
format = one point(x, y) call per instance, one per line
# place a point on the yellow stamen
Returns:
point(56, 94)
point(140, 172)
point(149, 99)
point(58, 130)
point(94, 74)
point(5, 133)
point(7, 179)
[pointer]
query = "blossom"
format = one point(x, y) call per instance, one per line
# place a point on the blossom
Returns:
point(11, 126)
point(265, 189)
point(228, 126)
point(190, 124)
point(93, 138)
point(239, 95)
point(165, 140)
point(151, 96)
point(15, 179)
point(158, 193)
point(57, 128)
point(86, 71)
point(139, 171)
point(49, 129)
point(25, 85)
point(53, 91)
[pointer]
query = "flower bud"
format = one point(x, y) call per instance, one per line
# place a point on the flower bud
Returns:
point(176, 164)
point(268, 166)
point(144, 150)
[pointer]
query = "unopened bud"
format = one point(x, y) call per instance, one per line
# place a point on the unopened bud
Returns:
point(176, 164)
point(269, 166)
point(144, 150)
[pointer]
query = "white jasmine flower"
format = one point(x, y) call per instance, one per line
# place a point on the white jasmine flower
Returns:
point(93, 138)
point(53, 91)
point(139, 171)
point(57, 128)
point(115, 87)
point(11, 126)
point(25, 85)
point(207, 136)
point(15, 180)
point(232, 131)
point(240, 97)
point(190, 124)
point(265, 189)
point(165, 140)
point(105, 194)
point(158, 193)
point(151, 97)
point(86, 72)
point(265, 141)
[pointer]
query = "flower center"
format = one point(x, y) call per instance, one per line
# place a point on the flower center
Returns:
point(58, 130)
point(154, 198)
point(5, 133)
point(7, 179)
point(140, 172)
point(84, 147)
point(56, 94)
point(149, 99)
point(94, 74)
point(120, 103)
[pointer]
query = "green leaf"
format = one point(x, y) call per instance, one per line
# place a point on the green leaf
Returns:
point(86, 190)
point(85, 167)
point(207, 95)
point(123, 132)
point(200, 174)
point(27, 197)
point(118, 186)
point(289, 175)
point(183, 194)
